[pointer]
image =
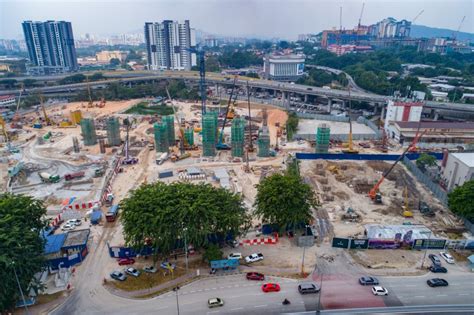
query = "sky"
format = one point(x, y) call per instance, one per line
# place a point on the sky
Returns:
point(259, 18)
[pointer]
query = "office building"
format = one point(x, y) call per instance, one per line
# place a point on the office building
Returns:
point(283, 67)
point(390, 28)
point(168, 45)
point(458, 170)
point(399, 111)
point(50, 47)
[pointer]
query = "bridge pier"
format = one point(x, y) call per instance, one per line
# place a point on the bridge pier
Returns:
point(329, 105)
point(306, 98)
point(382, 113)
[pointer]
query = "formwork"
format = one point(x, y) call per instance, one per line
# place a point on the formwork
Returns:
point(189, 135)
point(113, 131)
point(209, 134)
point(76, 117)
point(237, 137)
point(263, 144)
point(88, 131)
point(169, 121)
point(161, 137)
point(322, 138)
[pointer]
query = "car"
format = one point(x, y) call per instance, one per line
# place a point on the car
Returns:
point(368, 281)
point(435, 269)
point(234, 256)
point(449, 259)
point(126, 261)
point(271, 287)
point(308, 287)
point(437, 282)
point(118, 275)
point(434, 259)
point(76, 222)
point(309, 89)
point(150, 269)
point(254, 257)
point(255, 276)
point(167, 265)
point(68, 227)
point(132, 271)
point(215, 302)
point(378, 290)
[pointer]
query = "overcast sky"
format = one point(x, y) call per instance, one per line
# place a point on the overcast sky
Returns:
point(263, 18)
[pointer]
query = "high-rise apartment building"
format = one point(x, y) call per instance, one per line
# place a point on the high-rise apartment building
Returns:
point(168, 45)
point(50, 47)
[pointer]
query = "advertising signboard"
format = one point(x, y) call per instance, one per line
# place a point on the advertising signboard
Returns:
point(340, 242)
point(359, 243)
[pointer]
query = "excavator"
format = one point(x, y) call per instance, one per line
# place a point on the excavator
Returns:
point(47, 120)
point(374, 193)
point(16, 117)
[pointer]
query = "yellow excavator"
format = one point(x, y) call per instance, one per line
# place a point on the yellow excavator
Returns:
point(407, 213)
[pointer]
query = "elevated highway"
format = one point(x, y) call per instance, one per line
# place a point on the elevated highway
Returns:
point(214, 78)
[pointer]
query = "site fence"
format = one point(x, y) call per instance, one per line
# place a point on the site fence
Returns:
point(361, 157)
point(425, 180)
point(322, 117)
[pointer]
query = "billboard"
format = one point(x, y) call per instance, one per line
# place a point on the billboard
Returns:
point(300, 69)
point(340, 242)
point(428, 244)
point(359, 243)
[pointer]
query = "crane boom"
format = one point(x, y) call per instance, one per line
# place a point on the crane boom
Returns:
point(220, 144)
point(417, 16)
point(360, 17)
point(181, 131)
point(455, 35)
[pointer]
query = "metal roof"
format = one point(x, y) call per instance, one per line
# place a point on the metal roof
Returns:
point(193, 171)
point(54, 243)
point(436, 124)
point(388, 232)
point(471, 259)
point(466, 158)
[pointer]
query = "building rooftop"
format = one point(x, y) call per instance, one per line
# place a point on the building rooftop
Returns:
point(466, 158)
point(76, 238)
point(54, 243)
point(389, 232)
point(436, 124)
point(6, 97)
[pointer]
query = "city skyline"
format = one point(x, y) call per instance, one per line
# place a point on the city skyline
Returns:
point(262, 19)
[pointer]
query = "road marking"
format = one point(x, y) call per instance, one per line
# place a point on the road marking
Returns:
point(442, 295)
point(419, 296)
point(265, 305)
point(236, 309)
point(463, 293)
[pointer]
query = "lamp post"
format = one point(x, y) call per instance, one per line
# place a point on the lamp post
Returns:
point(19, 287)
point(426, 250)
point(320, 290)
point(177, 301)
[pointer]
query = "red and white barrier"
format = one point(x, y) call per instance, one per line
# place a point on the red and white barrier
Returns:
point(82, 205)
point(260, 241)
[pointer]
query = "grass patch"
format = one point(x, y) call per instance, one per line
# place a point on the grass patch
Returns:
point(147, 280)
point(156, 293)
point(142, 108)
point(46, 298)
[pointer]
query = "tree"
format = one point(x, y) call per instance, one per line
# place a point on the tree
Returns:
point(29, 82)
point(76, 78)
point(114, 62)
point(166, 214)
point(460, 200)
point(284, 200)
point(213, 252)
point(291, 125)
point(425, 160)
point(252, 75)
point(8, 83)
point(21, 245)
point(97, 76)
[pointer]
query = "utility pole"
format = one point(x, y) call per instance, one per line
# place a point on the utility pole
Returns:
point(426, 250)
point(177, 300)
point(186, 249)
point(302, 262)
point(19, 287)
point(320, 290)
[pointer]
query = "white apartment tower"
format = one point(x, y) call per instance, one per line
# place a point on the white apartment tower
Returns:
point(168, 45)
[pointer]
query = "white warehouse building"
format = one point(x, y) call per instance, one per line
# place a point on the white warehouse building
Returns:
point(459, 169)
point(399, 111)
point(283, 67)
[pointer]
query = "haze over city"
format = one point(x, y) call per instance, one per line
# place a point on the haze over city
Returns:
point(265, 19)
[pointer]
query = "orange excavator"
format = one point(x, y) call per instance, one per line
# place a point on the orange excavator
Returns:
point(374, 193)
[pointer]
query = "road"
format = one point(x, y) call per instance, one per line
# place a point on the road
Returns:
point(352, 84)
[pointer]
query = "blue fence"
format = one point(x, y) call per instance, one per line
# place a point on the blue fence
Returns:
point(361, 157)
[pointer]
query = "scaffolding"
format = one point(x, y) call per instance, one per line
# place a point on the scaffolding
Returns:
point(322, 138)
point(88, 131)
point(169, 121)
point(113, 131)
point(209, 134)
point(189, 135)
point(263, 143)
point(237, 137)
point(161, 137)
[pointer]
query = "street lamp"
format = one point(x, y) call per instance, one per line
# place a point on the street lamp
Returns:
point(426, 249)
point(19, 287)
point(177, 301)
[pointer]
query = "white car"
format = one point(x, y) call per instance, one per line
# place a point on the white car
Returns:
point(68, 227)
point(234, 256)
point(449, 259)
point(75, 222)
point(132, 271)
point(377, 290)
point(254, 257)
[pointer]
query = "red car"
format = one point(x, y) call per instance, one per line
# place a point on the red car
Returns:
point(255, 276)
point(271, 287)
point(126, 261)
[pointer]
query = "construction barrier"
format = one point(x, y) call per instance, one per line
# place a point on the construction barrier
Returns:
point(82, 205)
point(260, 241)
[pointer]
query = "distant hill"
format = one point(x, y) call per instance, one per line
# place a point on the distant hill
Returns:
point(429, 32)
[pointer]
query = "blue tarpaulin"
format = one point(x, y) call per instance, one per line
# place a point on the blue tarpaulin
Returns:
point(96, 216)
point(54, 243)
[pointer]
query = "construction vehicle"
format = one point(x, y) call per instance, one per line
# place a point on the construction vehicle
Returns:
point(128, 160)
point(406, 211)
point(71, 176)
point(250, 147)
point(334, 169)
point(4, 129)
point(16, 116)
point(109, 199)
point(47, 120)
point(350, 146)
point(162, 158)
point(99, 172)
point(48, 178)
point(90, 104)
point(174, 157)
point(220, 144)
point(101, 104)
point(425, 209)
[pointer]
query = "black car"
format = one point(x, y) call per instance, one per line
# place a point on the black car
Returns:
point(437, 282)
point(436, 261)
point(368, 281)
point(436, 268)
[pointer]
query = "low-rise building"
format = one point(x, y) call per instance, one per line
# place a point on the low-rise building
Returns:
point(440, 96)
point(283, 67)
point(105, 56)
point(442, 87)
point(403, 111)
point(6, 101)
point(459, 169)
point(66, 249)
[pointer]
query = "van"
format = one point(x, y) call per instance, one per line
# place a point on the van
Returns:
point(308, 287)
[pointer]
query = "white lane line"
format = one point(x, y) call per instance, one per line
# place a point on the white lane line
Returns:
point(236, 309)
point(213, 312)
point(442, 295)
point(265, 305)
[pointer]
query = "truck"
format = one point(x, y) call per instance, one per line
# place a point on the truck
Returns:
point(109, 199)
point(111, 215)
point(48, 178)
point(161, 158)
point(175, 157)
point(71, 176)
point(98, 172)
point(130, 161)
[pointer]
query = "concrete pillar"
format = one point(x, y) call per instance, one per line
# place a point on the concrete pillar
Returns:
point(306, 98)
point(436, 115)
point(329, 105)
point(283, 98)
point(382, 114)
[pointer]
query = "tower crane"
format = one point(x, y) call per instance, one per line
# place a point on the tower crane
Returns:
point(360, 17)
point(47, 120)
point(202, 76)
point(350, 148)
point(417, 16)
point(455, 35)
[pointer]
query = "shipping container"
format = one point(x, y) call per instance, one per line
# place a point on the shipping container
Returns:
point(164, 174)
point(96, 216)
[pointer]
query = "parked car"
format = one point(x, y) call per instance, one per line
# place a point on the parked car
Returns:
point(271, 287)
point(308, 287)
point(378, 290)
point(150, 269)
point(436, 268)
point(255, 276)
point(215, 302)
point(167, 265)
point(76, 222)
point(437, 282)
point(132, 271)
point(435, 259)
point(449, 259)
point(118, 275)
point(368, 281)
point(126, 261)
point(254, 257)
point(68, 227)
point(234, 256)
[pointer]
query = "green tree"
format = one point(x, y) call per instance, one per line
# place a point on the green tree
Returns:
point(21, 245)
point(253, 75)
point(8, 83)
point(114, 62)
point(212, 64)
point(285, 200)
point(425, 160)
point(166, 214)
point(460, 200)
point(76, 78)
point(97, 76)
point(29, 82)
point(213, 252)
point(291, 125)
